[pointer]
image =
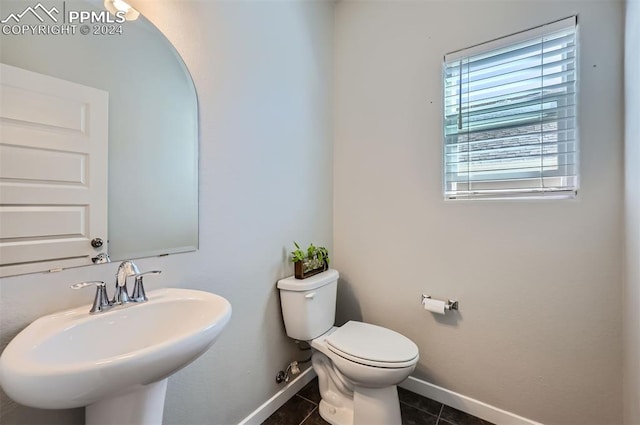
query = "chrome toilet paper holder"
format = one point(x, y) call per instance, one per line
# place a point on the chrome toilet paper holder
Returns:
point(449, 305)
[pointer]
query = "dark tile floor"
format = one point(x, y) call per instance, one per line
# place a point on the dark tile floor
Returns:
point(302, 409)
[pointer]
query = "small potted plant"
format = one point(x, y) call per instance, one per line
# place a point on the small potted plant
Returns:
point(315, 260)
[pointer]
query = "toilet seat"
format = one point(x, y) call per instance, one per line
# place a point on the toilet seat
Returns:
point(372, 345)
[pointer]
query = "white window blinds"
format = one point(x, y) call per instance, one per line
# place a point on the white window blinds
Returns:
point(510, 110)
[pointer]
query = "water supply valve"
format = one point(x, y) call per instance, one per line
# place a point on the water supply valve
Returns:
point(285, 375)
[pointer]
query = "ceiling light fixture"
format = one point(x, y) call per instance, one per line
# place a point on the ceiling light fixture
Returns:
point(115, 6)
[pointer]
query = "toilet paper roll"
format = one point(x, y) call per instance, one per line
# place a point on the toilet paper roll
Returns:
point(434, 306)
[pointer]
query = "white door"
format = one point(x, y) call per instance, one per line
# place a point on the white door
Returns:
point(53, 172)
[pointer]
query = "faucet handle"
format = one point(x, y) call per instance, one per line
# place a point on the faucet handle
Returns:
point(138, 294)
point(80, 285)
point(101, 301)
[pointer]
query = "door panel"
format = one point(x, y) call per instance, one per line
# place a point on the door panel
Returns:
point(53, 171)
point(42, 166)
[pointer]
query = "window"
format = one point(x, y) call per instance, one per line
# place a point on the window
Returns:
point(510, 115)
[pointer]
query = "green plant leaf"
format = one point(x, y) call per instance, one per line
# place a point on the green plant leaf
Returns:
point(315, 256)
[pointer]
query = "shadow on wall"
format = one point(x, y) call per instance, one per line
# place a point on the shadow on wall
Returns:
point(450, 318)
point(347, 306)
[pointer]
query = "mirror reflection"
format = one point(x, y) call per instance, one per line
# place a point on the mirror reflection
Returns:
point(152, 136)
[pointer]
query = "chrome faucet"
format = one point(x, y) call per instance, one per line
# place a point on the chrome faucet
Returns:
point(121, 295)
point(101, 301)
point(138, 295)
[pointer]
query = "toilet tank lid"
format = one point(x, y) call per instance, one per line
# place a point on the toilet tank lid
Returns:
point(313, 282)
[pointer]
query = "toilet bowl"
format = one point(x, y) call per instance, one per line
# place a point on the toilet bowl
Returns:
point(361, 365)
point(358, 364)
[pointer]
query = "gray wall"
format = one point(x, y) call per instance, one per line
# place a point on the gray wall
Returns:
point(632, 213)
point(539, 331)
point(262, 71)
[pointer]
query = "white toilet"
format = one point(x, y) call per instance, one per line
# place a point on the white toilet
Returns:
point(358, 364)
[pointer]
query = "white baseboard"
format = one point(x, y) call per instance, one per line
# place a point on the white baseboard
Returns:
point(281, 397)
point(457, 401)
point(466, 404)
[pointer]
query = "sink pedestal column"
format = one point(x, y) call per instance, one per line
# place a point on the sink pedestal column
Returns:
point(143, 406)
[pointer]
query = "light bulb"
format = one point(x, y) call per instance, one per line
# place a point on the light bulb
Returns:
point(119, 6)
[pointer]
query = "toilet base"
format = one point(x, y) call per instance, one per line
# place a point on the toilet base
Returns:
point(345, 403)
point(376, 406)
point(335, 416)
point(371, 406)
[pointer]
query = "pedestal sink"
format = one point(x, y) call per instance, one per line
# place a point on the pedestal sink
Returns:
point(116, 362)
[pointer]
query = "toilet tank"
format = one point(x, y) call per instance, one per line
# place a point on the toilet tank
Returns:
point(309, 305)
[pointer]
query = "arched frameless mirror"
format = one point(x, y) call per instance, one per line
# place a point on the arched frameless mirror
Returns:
point(152, 186)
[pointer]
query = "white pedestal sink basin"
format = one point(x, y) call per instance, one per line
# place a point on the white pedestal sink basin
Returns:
point(116, 362)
